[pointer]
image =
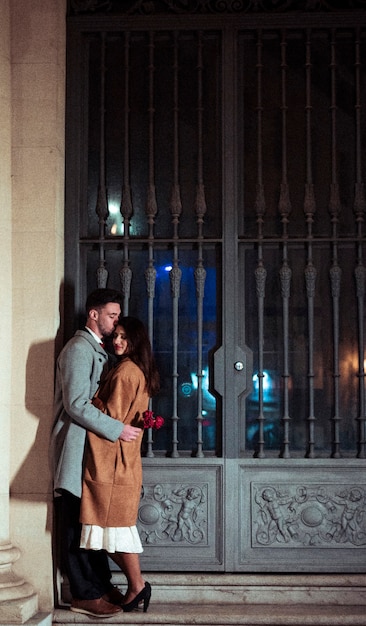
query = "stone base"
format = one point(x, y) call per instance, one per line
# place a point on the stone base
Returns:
point(40, 619)
point(18, 611)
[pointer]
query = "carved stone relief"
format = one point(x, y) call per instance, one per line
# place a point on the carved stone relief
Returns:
point(171, 513)
point(308, 515)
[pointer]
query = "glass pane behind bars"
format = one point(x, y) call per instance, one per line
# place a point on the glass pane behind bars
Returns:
point(273, 382)
point(128, 106)
point(154, 203)
point(288, 94)
point(187, 388)
point(301, 210)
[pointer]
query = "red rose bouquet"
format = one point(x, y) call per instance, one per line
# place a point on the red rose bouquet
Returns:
point(152, 422)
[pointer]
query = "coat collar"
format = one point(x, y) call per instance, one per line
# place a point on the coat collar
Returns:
point(89, 337)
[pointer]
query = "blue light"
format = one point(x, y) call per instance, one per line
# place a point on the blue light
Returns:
point(168, 268)
point(267, 382)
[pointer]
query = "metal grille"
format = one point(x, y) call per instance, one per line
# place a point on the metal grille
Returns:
point(153, 149)
point(152, 223)
point(303, 208)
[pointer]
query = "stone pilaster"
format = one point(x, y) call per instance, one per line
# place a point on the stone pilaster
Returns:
point(18, 601)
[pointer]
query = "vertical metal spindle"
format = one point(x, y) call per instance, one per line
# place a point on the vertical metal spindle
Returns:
point(285, 272)
point(335, 280)
point(260, 280)
point(260, 271)
point(126, 200)
point(151, 211)
point(102, 202)
point(200, 272)
point(335, 270)
point(285, 280)
point(360, 275)
point(309, 211)
point(175, 273)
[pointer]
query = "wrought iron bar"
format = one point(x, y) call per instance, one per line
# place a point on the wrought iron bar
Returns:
point(126, 200)
point(260, 280)
point(267, 240)
point(335, 270)
point(260, 271)
point(285, 272)
point(309, 210)
point(176, 272)
point(360, 274)
point(151, 211)
point(200, 272)
point(285, 280)
point(102, 202)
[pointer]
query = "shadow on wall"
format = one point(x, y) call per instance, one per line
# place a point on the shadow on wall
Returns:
point(32, 482)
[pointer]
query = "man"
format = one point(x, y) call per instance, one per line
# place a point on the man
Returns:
point(80, 366)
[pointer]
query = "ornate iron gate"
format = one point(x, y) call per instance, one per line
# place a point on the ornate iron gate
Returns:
point(215, 174)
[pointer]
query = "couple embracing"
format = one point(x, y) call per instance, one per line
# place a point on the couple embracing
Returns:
point(96, 455)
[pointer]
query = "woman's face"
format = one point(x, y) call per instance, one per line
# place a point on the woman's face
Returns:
point(120, 341)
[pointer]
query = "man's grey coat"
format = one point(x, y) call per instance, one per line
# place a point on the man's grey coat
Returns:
point(80, 367)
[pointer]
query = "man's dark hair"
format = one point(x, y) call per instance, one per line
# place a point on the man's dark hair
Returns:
point(100, 297)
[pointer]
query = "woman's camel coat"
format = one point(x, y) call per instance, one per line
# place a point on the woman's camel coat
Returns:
point(113, 470)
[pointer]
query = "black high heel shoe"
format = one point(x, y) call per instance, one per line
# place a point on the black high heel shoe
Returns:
point(145, 595)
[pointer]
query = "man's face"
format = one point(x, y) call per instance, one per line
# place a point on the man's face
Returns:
point(106, 318)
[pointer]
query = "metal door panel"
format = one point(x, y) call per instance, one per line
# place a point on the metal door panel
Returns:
point(180, 516)
point(301, 518)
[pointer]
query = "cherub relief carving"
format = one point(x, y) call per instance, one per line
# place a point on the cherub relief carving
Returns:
point(272, 513)
point(178, 514)
point(309, 515)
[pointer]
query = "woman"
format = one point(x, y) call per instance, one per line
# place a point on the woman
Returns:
point(113, 470)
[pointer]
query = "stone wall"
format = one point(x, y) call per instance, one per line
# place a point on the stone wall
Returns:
point(32, 106)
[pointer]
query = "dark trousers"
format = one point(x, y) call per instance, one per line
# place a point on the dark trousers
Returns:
point(87, 570)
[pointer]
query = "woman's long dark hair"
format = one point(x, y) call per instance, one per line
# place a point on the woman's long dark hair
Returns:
point(140, 352)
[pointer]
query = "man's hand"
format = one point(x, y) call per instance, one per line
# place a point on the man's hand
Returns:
point(129, 433)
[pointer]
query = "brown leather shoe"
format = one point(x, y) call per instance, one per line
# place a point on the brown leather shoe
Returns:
point(114, 596)
point(96, 608)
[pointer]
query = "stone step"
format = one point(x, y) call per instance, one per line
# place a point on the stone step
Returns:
point(231, 614)
point(319, 589)
point(240, 599)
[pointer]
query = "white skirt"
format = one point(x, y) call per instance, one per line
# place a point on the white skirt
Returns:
point(124, 539)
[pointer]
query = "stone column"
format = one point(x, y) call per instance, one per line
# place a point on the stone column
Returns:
point(32, 104)
point(18, 602)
